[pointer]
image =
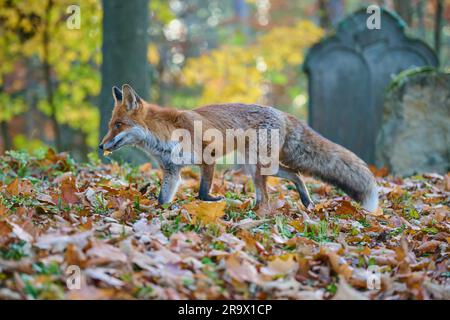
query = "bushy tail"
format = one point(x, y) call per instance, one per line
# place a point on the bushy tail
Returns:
point(308, 152)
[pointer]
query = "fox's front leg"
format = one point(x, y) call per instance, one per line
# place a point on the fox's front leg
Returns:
point(207, 175)
point(169, 185)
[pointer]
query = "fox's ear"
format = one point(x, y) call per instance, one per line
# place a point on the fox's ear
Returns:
point(117, 94)
point(132, 100)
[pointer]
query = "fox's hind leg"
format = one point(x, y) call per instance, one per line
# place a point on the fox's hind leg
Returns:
point(169, 184)
point(207, 175)
point(260, 182)
point(289, 174)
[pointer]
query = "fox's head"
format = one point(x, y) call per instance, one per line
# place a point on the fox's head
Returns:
point(124, 127)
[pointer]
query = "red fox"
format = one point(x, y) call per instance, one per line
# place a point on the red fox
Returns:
point(301, 150)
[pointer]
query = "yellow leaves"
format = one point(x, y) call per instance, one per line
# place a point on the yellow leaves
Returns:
point(273, 182)
point(282, 265)
point(161, 11)
point(227, 74)
point(9, 106)
point(153, 54)
point(21, 142)
point(72, 54)
point(233, 73)
point(206, 212)
point(10, 16)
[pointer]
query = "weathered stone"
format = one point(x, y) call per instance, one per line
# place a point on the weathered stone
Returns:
point(349, 72)
point(415, 132)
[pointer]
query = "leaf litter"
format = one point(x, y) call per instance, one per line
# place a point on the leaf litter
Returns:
point(105, 220)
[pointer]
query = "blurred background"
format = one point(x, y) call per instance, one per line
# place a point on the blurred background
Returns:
point(58, 62)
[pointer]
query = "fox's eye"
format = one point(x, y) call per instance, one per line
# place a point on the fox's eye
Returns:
point(118, 125)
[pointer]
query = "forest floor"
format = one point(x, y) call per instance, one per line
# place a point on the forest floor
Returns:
point(60, 220)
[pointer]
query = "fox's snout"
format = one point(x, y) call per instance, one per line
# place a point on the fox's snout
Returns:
point(107, 142)
point(101, 146)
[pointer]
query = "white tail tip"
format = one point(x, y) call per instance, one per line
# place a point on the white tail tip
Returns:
point(371, 202)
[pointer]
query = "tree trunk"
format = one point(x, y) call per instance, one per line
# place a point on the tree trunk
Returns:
point(324, 18)
point(330, 12)
point(438, 27)
point(420, 17)
point(47, 76)
point(124, 49)
point(404, 9)
point(241, 12)
point(5, 135)
point(335, 11)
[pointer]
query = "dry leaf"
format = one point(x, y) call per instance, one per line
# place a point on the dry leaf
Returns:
point(339, 265)
point(241, 270)
point(69, 190)
point(103, 274)
point(206, 212)
point(13, 187)
point(20, 233)
point(281, 266)
point(346, 292)
point(106, 252)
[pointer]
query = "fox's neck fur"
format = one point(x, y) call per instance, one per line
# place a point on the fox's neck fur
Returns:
point(160, 121)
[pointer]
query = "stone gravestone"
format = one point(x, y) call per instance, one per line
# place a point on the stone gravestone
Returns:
point(348, 73)
point(415, 133)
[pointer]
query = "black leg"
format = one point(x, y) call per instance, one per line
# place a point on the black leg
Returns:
point(207, 175)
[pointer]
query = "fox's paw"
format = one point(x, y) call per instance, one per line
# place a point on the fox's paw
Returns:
point(210, 198)
point(310, 206)
point(308, 203)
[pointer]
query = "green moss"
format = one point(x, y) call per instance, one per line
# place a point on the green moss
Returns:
point(401, 78)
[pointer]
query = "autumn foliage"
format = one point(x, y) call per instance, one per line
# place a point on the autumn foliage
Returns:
point(55, 213)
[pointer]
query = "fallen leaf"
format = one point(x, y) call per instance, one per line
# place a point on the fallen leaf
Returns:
point(57, 242)
point(345, 207)
point(75, 256)
point(241, 270)
point(438, 291)
point(428, 246)
point(339, 265)
point(106, 252)
point(42, 197)
point(21, 233)
point(103, 274)
point(206, 212)
point(281, 266)
point(91, 293)
point(346, 292)
point(13, 187)
point(69, 190)
point(447, 182)
point(377, 213)
point(379, 172)
point(250, 223)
